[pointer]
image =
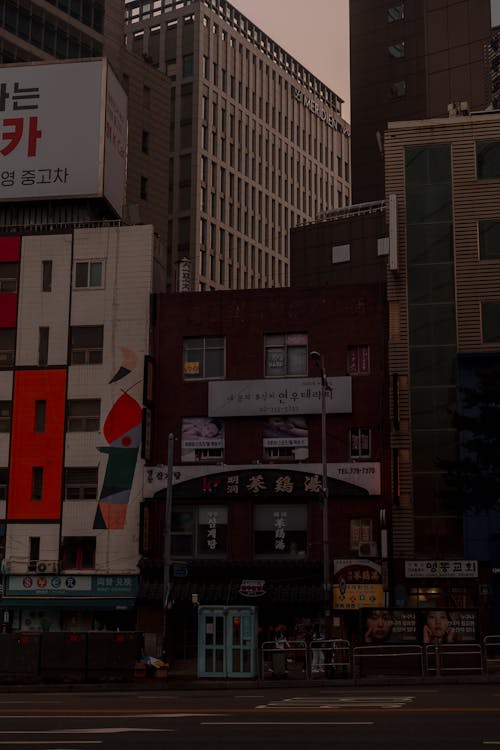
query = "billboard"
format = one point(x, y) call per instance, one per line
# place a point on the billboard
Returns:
point(254, 398)
point(357, 583)
point(63, 132)
point(380, 625)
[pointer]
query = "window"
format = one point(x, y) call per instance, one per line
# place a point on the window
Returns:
point(199, 532)
point(490, 314)
point(188, 65)
point(84, 415)
point(395, 13)
point(86, 345)
point(360, 531)
point(78, 552)
point(37, 483)
point(7, 347)
point(358, 360)
point(34, 552)
point(144, 188)
point(204, 357)
point(396, 51)
point(145, 142)
point(286, 354)
point(89, 274)
point(341, 254)
point(488, 160)
point(80, 483)
point(489, 239)
point(43, 346)
point(4, 483)
point(5, 415)
point(280, 531)
point(8, 277)
point(359, 442)
point(46, 276)
point(397, 89)
point(40, 413)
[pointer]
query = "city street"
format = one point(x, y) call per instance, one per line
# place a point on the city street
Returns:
point(415, 717)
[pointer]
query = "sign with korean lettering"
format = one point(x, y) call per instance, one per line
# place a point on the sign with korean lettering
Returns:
point(34, 584)
point(441, 569)
point(381, 625)
point(348, 480)
point(357, 583)
point(63, 132)
point(252, 398)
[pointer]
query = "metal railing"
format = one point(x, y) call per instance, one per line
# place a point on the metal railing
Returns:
point(371, 661)
point(448, 658)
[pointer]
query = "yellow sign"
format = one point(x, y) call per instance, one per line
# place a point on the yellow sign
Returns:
point(356, 595)
point(191, 368)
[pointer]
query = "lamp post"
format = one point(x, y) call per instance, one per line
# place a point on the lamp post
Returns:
point(320, 362)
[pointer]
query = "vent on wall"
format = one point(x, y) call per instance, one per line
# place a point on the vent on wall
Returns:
point(367, 549)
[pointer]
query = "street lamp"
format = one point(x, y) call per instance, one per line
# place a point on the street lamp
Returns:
point(320, 362)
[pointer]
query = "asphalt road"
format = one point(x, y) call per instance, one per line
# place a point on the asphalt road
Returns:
point(455, 717)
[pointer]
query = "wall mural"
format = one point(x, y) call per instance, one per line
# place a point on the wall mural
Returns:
point(122, 431)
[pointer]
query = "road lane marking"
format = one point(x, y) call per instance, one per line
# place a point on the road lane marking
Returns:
point(285, 723)
point(96, 730)
point(340, 701)
point(50, 742)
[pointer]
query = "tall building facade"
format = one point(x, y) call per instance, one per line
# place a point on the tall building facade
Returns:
point(41, 31)
point(410, 60)
point(444, 309)
point(258, 144)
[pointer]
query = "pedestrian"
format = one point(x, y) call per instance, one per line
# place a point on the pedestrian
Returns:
point(279, 654)
point(318, 657)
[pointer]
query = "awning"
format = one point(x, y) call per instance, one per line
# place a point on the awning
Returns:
point(67, 603)
point(229, 593)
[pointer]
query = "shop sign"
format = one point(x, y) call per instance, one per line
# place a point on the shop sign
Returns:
point(441, 569)
point(251, 588)
point(426, 625)
point(357, 583)
point(71, 585)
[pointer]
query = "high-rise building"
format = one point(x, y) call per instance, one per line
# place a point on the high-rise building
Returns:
point(258, 143)
point(41, 31)
point(410, 60)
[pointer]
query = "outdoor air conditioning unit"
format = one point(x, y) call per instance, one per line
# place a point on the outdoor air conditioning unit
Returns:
point(47, 566)
point(367, 549)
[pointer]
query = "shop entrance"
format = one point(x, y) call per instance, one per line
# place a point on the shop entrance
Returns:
point(227, 641)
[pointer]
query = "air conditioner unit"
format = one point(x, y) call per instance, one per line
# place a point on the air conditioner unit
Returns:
point(47, 566)
point(367, 549)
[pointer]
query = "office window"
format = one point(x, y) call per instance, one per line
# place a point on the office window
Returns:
point(78, 553)
point(359, 442)
point(5, 415)
point(199, 532)
point(188, 65)
point(360, 531)
point(358, 360)
point(7, 346)
point(86, 345)
point(46, 276)
point(395, 13)
point(144, 188)
point(43, 346)
point(145, 142)
point(397, 89)
point(80, 483)
point(285, 354)
point(34, 548)
point(8, 277)
point(89, 274)
point(396, 51)
point(280, 531)
point(204, 357)
point(488, 160)
point(490, 315)
point(40, 415)
point(37, 483)
point(4, 483)
point(84, 415)
point(489, 240)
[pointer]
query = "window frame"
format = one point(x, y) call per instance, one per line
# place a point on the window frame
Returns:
point(5, 421)
point(79, 546)
point(285, 346)
point(359, 524)
point(195, 534)
point(203, 348)
point(358, 352)
point(89, 263)
point(84, 420)
point(89, 351)
point(87, 489)
point(359, 433)
point(276, 508)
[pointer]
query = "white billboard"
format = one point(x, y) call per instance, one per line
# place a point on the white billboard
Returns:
point(252, 398)
point(60, 123)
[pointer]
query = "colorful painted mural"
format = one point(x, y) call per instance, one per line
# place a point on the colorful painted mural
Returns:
point(122, 431)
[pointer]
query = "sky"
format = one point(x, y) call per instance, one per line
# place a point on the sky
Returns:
point(315, 32)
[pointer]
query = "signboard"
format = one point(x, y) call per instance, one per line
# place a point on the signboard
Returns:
point(62, 132)
point(349, 479)
point(381, 625)
point(357, 583)
point(201, 434)
point(36, 585)
point(441, 569)
point(253, 398)
point(252, 588)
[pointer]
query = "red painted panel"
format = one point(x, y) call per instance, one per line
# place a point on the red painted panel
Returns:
point(30, 448)
point(10, 249)
point(8, 310)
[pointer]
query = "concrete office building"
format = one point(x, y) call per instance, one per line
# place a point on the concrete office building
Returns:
point(258, 143)
point(444, 311)
point(42, 31)
point(410, 60)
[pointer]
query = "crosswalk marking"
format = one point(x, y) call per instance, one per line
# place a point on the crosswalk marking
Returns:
point(341, 701)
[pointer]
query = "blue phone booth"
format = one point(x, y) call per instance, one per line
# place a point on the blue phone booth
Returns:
point(227, 641)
